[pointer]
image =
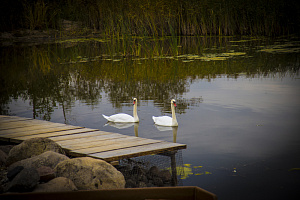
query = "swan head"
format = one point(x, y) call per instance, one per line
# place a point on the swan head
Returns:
point(173, 102)
point(134, 100)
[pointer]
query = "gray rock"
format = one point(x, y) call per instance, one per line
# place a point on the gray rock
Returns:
point(130, 183)
point(153, 172)
point(6, 148)
point(46, 173)
point(32, 147)
point(125, 170)
point(3, 158)
point(158, 182)
point(88, 173)
point(142, 177)
point(25, 181)
point(60, 184)
point(138, 170)
point(13, 172)
point(166, 176)
point(49, 159)
point(142, 184)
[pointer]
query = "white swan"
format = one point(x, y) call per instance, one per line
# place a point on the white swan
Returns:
point(124, 118)
point(166, 120)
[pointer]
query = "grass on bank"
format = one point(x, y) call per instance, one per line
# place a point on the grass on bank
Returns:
point(158, 18)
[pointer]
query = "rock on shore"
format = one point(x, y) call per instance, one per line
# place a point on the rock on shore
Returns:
point(89, 173)
point(39, 165)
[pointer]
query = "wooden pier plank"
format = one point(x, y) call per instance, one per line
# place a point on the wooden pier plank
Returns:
point(81, 141)
point(15, 124)
point(5, 117)
point(109, 145)
point(98, 142)
point(88, 139)
point(70, 138)
point(138, 151)
point(59, 133)
point(39, 130)
point(33, 128)
point(12, 135)
point(8, 120)
point(30, 128)
point(23, 121)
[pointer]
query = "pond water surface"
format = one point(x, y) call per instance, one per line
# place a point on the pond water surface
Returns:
point(238, 103)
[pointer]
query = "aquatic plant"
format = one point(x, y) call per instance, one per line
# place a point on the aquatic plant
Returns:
point(39, 15)
point(160, 18)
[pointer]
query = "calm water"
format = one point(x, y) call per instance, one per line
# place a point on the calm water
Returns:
point(238, 103)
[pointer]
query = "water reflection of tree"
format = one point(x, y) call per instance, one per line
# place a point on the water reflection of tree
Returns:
point(46, 84)
point(57, 75)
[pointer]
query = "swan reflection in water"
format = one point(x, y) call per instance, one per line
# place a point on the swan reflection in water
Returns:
point(121, 125)
point(174, 129)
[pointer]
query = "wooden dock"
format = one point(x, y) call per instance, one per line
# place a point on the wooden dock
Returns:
point(81, 141)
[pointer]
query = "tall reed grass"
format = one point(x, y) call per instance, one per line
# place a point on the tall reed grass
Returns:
point(159, 18)
point(39, 15)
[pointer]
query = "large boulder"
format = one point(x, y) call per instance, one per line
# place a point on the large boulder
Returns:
point(88, 173)
point(60, 184)
point(32, 147)
point(48, 159)
point(25, 181)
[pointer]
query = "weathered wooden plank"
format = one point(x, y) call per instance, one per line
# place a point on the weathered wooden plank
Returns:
point(6, 127)
point(27, 123)
point(138, 151)
point(7, 136)
point(95, 143)
point(19, 120)
point(129, 142)
point(23, 120)
point(39, 131)
point(9, 116)
point(13, 119)
point(70, 138)
point(59, 133)
point(86, 140)
point(103, 142)
point(30, 128)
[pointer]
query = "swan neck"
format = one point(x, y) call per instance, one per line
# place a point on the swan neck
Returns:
point(174, 120)
point(135, 116)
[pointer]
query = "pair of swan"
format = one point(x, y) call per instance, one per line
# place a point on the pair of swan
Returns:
point(161, 120)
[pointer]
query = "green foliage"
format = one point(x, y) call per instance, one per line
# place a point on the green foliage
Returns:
point(159, 18)
point(39, 15)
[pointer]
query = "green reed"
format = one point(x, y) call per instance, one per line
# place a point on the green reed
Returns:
point(36, 15)
point(39, 15)
point(153, 18)
point(155, 27)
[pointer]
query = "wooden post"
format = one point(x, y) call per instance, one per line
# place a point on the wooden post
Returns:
point(174, 170)
point(172, 154)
